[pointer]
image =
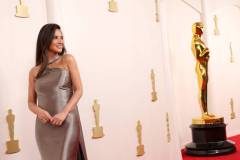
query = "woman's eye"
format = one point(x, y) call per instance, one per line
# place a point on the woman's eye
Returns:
point(56, 37)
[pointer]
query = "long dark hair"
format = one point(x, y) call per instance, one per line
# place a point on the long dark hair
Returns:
point(44, 40)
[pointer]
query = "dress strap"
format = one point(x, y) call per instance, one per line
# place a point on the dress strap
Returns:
point(54, 59)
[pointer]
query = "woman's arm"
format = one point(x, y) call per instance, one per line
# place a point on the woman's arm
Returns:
point(76, 83)
point(77, 89)
point(43, 115)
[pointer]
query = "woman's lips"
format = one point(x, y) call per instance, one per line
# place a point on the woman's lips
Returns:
point(59, 46)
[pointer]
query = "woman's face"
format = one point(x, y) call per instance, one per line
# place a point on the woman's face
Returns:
point(57, 43)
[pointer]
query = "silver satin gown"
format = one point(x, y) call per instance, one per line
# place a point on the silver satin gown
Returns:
point(65, 142)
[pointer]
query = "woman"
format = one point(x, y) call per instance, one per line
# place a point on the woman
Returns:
point(54, 90)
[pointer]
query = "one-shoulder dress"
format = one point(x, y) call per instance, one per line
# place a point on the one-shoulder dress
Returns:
point(65, 142)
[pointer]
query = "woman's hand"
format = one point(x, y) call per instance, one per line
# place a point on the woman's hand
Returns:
point(59, 118)
point(43, 116)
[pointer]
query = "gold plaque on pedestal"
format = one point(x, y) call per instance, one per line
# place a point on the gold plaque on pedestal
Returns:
point(12, 147)
point(208, 120)
point(140, 150)
point(97, 132)
point(22, 10)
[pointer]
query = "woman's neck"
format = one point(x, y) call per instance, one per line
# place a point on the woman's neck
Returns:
point(51, 55)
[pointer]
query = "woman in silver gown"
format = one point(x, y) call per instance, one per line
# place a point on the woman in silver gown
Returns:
point(54, 90)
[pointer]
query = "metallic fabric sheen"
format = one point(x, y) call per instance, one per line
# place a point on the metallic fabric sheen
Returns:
point(65, 142)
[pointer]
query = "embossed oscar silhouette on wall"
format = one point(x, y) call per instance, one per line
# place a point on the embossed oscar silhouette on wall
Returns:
point(231, 53)
point(232, 115)
point(12, 145)
point(157, 10)
point(168, 128)
point(112, 6)
point(22, 10)
point(98, 130)
point(154, 93)
point(140, 147)
point(216, 29)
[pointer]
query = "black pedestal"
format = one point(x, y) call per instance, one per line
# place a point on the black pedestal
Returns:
point(209, 140)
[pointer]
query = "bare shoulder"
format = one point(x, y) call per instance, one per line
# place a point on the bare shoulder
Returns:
point(34, 70)
point(68, 58)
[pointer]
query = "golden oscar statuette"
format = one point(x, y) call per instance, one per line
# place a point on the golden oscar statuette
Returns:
point(112, 6)
point(232, 115)
point(168, 129)
point(209, 131)
point(140, 147)
point(97, 131)
point(12, 145)
point(201, 53)
point(157, 10)
point(22, 10)
point(216, 30)
point(154, 93)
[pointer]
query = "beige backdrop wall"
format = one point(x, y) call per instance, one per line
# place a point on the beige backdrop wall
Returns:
point(225, 76)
